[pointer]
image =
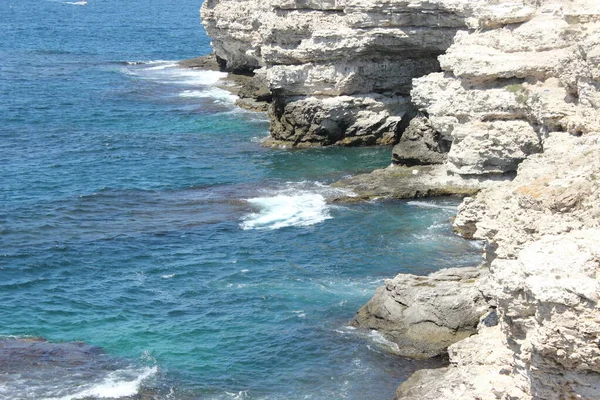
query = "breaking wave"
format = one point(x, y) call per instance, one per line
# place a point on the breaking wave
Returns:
point(122, 383)
point(301, 204)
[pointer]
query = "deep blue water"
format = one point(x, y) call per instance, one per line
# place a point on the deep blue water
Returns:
point(138, 213)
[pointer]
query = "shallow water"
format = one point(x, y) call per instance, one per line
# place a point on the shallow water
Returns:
point(139, 214)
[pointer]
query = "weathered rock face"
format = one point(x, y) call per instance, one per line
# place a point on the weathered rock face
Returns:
point(481, 369)
point(341, 120)
point(508, 92)
point(524, 69)
point(401, 182)
point(420, 144)
point(340, 71)
point(544, 234)
point(423, 315)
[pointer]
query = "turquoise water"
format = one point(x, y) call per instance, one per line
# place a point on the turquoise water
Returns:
point(140, 214)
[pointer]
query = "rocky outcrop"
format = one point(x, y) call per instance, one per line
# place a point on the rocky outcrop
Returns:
point(340, 71)
point(423, 315)
point(401, 182)
point(420, 144)
point(543, 234)
point(516, 90)
point(481, 369)
point(524, 96)
point(524, 69)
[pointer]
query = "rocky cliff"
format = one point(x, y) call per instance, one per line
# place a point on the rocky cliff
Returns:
point(498, 87)
point(526, 90)
point(340, 71)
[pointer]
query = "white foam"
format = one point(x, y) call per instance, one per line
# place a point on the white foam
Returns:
point(238, 396)
point(76, 3)
point(259, 139)
point(117, 384)
point(380, 340)
point(373, 336)
point(478, 244)
point(425, 238)
point(160, 67)
point(437, 226)
point(169, 71)
point(425, 204)
point(220, 95)
point(188, 76)
point(151, 62)
point(294, 204)
point(300, 313)
point(284, 210)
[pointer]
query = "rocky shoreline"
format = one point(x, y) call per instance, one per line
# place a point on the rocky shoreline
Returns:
point(498, 101)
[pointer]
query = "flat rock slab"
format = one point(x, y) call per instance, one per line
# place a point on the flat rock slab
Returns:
point(401, 182)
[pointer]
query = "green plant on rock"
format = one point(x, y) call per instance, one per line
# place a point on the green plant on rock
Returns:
point(521, 94)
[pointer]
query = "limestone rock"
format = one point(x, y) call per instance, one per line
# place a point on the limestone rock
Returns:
point(314, 54)
point(401, 182)
point(543, 230)
point(491, 147)
point(423, 315)
point(554, 192)
point(480, 369)
point(420, 144)
point(521, 63)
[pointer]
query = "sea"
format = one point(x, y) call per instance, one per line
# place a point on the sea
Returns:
point(157, 248)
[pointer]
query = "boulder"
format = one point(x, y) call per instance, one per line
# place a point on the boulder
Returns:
point(420, 144)
point(423, 315)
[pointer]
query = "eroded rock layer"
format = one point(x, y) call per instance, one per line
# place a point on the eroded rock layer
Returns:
point(543, 234)
point(523, 95)
point(340, 71)
point(524, 69)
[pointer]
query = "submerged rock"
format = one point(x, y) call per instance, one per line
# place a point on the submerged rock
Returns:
point(423, 315)
point(33, 368)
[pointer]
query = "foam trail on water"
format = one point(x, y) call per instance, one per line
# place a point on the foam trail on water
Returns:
point(215, 93)
point(295, 204)
point(117, 384)
point(285, 210)
point(380, 340)
point(426, 204)
point(168, 71)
